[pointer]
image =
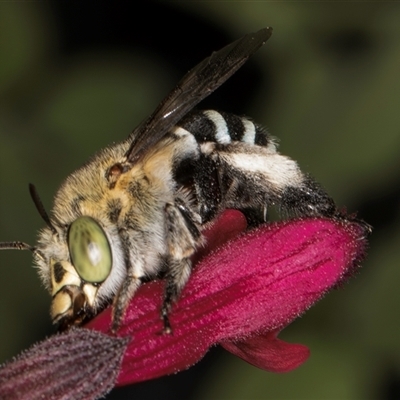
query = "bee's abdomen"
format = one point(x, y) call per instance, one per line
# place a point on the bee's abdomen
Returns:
point(224, 128)
point(233, 163)
point(212, 179)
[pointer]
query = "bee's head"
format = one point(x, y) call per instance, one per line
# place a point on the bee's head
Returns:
point(75, 264)
point(75, 280)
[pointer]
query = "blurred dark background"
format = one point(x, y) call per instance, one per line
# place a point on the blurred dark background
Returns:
point(76, 76)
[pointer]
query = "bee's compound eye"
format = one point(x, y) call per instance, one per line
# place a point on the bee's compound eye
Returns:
point(89, 250)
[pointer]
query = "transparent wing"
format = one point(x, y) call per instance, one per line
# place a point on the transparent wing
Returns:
point(197, 84)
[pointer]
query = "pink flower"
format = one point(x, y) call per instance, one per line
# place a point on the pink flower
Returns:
point(240, 296)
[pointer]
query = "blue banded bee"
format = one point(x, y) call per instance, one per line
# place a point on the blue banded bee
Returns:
point(136, 210)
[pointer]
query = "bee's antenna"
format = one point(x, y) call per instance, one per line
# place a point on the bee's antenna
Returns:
point(16, 246)
point(21, 246)
point(39, 206)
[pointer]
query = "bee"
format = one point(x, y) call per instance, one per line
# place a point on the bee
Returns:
point(136, 210)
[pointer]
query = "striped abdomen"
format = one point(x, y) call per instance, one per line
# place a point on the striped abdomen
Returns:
point(238, 167)
point(224, 128)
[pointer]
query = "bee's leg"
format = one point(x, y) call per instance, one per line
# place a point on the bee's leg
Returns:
point(125, 294)
point(177, 276)
point(134, 273)
point(183, 236)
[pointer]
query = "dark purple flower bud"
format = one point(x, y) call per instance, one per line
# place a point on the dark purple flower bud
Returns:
point(79, 364)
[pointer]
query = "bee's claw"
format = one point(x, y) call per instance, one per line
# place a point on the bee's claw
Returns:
point(167, 330)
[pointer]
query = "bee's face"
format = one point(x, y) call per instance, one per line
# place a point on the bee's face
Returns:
point(80, 262)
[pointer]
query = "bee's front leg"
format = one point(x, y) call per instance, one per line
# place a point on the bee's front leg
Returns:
point(125, 294)
point(131, 283)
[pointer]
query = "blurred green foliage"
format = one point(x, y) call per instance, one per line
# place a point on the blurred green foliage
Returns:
point(334, 104)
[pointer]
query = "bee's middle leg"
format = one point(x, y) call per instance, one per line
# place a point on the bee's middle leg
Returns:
point(177, 276)
point(183, 236)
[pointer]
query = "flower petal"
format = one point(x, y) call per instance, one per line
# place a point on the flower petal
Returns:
point(228, 226)
point(268, 352)
point(256, 284)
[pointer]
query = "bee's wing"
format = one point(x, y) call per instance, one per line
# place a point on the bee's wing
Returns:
point(197, 84)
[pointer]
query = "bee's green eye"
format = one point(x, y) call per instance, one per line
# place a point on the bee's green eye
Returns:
point(89, 250)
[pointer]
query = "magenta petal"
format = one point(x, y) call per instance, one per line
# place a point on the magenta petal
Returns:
point(229, 224)
point(268, 352)
point(255, 284)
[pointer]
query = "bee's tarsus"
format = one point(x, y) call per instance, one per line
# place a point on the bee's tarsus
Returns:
point(167, 329)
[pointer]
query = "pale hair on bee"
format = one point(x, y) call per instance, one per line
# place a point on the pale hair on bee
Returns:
point(137, 209)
